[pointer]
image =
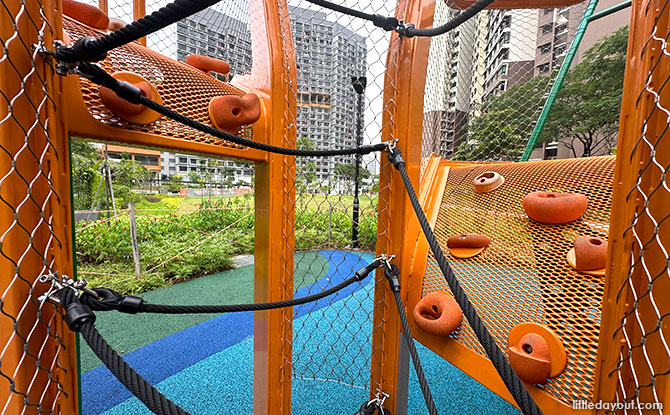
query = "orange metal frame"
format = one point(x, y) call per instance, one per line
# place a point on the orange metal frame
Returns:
point(647, 68)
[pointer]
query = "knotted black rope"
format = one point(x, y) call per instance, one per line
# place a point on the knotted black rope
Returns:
point(134, 95)
point(391, 273)
point(497, 357)
point(93, 50)
point(80, 318)
point(112, 300)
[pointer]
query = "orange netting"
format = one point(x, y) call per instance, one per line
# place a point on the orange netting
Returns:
point(523, 275)
point(182, 88)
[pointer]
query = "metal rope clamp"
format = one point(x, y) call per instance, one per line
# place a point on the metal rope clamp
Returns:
point(375, 406)
point(58, 282)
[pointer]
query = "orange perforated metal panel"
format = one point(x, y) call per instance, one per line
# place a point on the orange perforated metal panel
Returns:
point(523, 275)
point(182, 88)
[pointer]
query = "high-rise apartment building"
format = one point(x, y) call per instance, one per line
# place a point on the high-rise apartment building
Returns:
point(328, 55)
point(555, 30)
point(447, 97)
point(511, 38)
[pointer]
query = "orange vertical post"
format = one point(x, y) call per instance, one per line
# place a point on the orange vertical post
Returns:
point(404, 85)
point(273, 70)
point(139, 11)
point(38, 354)
point(634, 335)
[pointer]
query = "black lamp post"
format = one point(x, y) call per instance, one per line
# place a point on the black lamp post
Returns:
point(359, 83)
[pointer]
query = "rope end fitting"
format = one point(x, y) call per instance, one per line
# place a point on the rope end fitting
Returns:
point(386, 23)
point(391, 274)
point(395, 157)
point(77, 315)
point(405, 29)
point(80, 51)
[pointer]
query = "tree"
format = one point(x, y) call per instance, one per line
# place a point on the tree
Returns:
point(585, 117)
point(347, 172)
point(86, 161)
point(194, 176)
point(504, 123)
point(305, 174)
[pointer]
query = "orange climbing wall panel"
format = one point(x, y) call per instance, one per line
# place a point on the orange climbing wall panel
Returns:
point(182, 88)
point(523, 275)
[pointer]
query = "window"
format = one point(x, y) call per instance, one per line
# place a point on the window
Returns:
point(183, 160)
point(194, 161)
point(182, 168)
point(147, 160)
point(547, 28)
point(546, 48)
point(544, 68)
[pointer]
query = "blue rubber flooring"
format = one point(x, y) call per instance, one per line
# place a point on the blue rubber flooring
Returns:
point(207, 368)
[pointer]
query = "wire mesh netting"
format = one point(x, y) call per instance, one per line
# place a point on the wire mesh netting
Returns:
point(32, 345)
point(335, 55)
point(489, 80)
point(332, 241)
point(641, 371)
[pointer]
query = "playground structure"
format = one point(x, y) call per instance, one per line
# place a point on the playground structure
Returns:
point(611, 326)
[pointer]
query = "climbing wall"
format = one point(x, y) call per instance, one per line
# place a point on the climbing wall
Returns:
point(523, 275)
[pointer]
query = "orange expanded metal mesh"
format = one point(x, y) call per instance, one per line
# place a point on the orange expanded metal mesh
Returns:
point(523, 275)
point(182, 89)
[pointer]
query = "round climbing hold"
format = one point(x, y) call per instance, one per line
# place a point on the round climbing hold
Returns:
point(554, 207)
point(134, 113)
point(467, 245)
point(230, 112)
point(438, 313)
point(589, 255)
point(488, 181)
point(207, 64)
point(536, 353)
point(84, 13)
point(115, 24)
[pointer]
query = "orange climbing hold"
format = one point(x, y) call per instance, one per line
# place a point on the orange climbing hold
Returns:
point(488, 181)
point(467, 245)
point(115, 24)
point(207, 64)
point(516, 4)
point(89, 15)
point(438, 313)
point(536, 353)
point(589, 255)
point(134, 113)
point(230, 112)
point(553, 207)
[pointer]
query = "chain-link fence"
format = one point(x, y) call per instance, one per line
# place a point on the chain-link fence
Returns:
point(34, 350)
point(496, 84)
point(641, 370)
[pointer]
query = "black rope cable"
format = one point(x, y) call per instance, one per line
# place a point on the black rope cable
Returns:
point(112, 300)
point(133, 95)
point(133, 381)
point(407, 30)
point(497, 357)
point(394, 283)
point(92, 50)
point(459, 19)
